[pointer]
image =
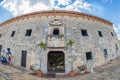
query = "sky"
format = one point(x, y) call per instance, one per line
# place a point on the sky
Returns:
point(106, 9)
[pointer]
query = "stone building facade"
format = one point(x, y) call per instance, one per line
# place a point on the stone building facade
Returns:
point(96, 42)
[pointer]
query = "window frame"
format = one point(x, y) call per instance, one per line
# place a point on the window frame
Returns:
point(84, 32)
point(89, 56)
point(112, 34)
point(28, 32)
point(0, 35)
point(105, 53)
point(13, 33)
point(116, 46)
point(56, 31)
point(100, 34)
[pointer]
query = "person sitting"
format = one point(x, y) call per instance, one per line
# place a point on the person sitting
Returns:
point(3, 60)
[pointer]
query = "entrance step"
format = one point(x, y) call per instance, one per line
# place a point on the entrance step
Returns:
point(60, 73)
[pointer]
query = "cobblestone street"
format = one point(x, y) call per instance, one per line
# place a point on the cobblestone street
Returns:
point(111, 71)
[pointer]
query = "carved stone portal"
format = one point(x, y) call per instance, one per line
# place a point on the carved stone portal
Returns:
point(55, 37)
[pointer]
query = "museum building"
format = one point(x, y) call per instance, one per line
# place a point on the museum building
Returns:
point(59, 40)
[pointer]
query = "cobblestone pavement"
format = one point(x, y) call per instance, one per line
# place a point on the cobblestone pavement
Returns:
point(110, 71)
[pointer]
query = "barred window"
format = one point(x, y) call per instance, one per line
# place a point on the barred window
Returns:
point(84, 32)
point(105, 53)
point(88, 55)
point(56, 31)
point(13, 33)
point(112, 34)
point(28, 32)
point(100, 33)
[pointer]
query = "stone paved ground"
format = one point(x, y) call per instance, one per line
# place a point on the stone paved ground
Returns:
point(111, 71)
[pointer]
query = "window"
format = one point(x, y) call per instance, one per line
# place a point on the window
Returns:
point(84, 32)
point(112, 34)
point(88, 55)
point(105, 53)
point(116, 46)
point(0, 35)
point(28, 32)
point(13, 33)
point(100, 33)
point(56, 31)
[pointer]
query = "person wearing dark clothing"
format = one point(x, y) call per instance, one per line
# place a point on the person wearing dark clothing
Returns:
point(3, 60)
point(9, 52)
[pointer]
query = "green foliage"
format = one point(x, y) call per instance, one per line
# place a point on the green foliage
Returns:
point(42, 45)
point(70, 42)
point(82, 67)
point(37, 71)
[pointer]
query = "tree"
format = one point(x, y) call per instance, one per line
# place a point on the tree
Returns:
point(42, 45)
point(70, 43)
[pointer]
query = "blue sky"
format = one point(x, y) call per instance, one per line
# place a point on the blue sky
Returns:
point(106, 9)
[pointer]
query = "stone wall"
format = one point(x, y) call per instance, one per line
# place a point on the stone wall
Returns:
point(72, 30)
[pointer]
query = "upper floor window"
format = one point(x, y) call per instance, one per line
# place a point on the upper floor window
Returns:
point(88, 55)
point(112, 34)
point(84, 32)
point(56, 31)
point(13, 33)
point(28, 32)
point(100, 33)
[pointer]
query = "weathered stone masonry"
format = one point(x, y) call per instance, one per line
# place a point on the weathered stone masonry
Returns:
point(99, 37)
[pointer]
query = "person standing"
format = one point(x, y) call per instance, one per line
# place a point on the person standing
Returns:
point(9, 55)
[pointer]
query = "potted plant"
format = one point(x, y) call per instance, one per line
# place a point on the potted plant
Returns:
point(82, 68)
point(72, 73)
point(38, 73)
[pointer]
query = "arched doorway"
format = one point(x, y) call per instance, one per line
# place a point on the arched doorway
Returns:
point(56, 62)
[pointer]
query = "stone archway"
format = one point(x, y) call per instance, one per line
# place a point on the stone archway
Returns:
point(56, 62)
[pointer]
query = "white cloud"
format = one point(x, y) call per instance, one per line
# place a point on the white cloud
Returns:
point(118, 35)
point(18, 7)
point(78, 5)
point(117, 30)
point(63, 2)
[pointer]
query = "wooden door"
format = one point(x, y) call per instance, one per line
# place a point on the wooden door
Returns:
point(23, 58)
point(0, 49)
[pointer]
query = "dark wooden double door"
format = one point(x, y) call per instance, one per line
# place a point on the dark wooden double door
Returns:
point(56, 62)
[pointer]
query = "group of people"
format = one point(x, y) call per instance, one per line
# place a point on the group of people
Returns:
point(6, 56)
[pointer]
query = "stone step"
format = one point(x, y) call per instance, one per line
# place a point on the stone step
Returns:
point(60, 73)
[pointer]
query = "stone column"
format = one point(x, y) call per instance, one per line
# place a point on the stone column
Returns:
point(44, 62)
point(67, 63)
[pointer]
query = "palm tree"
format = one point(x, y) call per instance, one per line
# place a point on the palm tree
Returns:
point(70, 43)
point(42, 45)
